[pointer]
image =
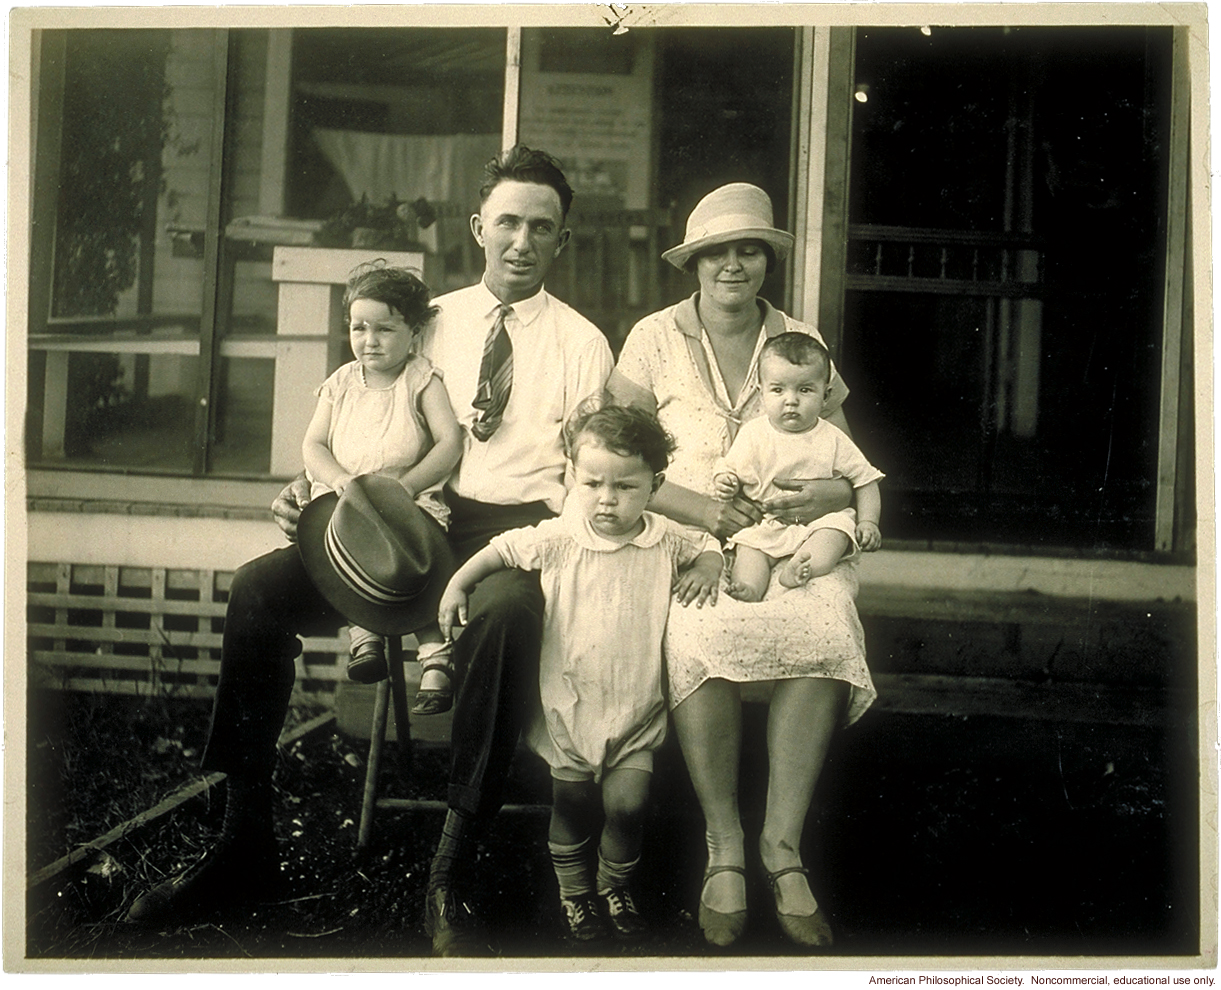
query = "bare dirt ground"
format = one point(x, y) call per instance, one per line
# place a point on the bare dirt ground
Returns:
point(931, 836)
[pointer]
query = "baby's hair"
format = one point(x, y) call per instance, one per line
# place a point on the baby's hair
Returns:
point(400, 289)
point(626, 430)
point(798, 348)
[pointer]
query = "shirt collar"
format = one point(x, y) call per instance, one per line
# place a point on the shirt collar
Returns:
point(687, 318)
point(526, 310)
point(586, 538)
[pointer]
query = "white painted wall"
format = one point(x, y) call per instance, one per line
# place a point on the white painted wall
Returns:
point(223, 544)
point(148, 541)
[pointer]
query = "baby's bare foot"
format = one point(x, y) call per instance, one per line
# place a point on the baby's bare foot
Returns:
point(743, 592)
point(795, 572)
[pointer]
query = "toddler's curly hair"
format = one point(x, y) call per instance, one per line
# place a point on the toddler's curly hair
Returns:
point(626, 430)
point(401, 289)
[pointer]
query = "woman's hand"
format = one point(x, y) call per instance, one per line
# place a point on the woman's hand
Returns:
point(286, 507)
point(812, 498)
point(725, 518)
point(699, 582)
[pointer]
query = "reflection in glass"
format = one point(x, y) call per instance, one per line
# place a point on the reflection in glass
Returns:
point(646, 123)
point(390, 130)
point(122, 410)
point(242, 441)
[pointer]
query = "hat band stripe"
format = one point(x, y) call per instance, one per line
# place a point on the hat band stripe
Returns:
point(356, 577)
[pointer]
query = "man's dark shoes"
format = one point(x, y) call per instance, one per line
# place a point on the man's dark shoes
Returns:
point(583, 917)
point(452, 925)
point(367, 665)
point(622, 915)
point(230, 874)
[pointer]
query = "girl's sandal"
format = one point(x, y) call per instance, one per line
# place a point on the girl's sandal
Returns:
point(434, 701)
point(721, 928)
point(809, 930)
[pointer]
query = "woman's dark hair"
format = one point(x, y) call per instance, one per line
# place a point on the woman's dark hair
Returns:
point(400, 289)
point(770, 251)
point(798, 348)
point(626, 430)
point(522, 164)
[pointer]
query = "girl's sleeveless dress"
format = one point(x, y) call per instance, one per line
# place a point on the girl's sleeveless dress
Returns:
point(382, 430)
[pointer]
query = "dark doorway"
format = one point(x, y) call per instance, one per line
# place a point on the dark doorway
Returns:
point(725, 101)
point(1003, 314)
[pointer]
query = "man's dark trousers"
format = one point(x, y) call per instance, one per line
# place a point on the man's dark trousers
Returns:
point(272, 601)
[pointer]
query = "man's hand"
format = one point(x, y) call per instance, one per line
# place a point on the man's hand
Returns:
point(812, 498)
point(868, 536)
point(699, 582)
point(286, 507)
point(724, 519)
point(452, 610)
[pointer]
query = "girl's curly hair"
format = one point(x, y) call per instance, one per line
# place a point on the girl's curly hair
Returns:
point(401, 289)
point(626, 430)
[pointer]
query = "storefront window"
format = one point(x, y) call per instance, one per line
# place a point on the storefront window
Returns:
point(646, 123)
point(116, 376)
point(1002, 324)
point(174, 165)
point(383, 119)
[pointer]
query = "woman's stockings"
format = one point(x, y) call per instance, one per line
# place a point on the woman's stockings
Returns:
point(803, 716)
point(709, 724)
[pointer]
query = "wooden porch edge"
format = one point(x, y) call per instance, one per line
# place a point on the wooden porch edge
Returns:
point(955, 695)
point(162, 808)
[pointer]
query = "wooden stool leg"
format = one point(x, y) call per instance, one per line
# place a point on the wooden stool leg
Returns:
point(377, 739)
point(398, 691)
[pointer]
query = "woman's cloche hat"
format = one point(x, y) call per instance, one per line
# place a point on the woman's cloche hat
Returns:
point(375, 555)
point(738, 211)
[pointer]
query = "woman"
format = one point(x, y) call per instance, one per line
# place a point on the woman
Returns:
point(694, 365)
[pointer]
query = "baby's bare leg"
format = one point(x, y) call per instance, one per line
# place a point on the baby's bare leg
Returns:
point(817, 556)
point(752, 570)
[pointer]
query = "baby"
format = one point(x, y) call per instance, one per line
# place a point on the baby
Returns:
point(791, 441)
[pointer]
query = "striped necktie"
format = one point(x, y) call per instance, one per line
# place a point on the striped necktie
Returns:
point(495, 377)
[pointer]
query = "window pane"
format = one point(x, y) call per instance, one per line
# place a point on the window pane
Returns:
point(389, 117)
point(122, 409)
point(242, 441)
point(645, 124)
point(1028, 166)
point(112, 379)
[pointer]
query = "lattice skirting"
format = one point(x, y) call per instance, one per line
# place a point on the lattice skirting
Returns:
point(145, 631)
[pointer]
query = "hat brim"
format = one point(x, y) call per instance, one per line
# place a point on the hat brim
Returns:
point(381, 619)
point(780, 241)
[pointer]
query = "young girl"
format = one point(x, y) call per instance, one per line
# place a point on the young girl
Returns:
point(791, 441)
point(608, 569)
point(388, 413)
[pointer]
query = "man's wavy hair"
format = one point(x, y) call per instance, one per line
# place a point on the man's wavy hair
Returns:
point(626, 430)
point(522, 164)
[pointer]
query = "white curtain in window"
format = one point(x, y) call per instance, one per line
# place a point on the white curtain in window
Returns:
point(443, 168)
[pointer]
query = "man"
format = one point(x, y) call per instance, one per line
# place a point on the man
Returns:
point(517, 362)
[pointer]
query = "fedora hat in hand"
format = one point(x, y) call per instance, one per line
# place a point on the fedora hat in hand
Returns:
point(738, 211)
point(375, 555)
